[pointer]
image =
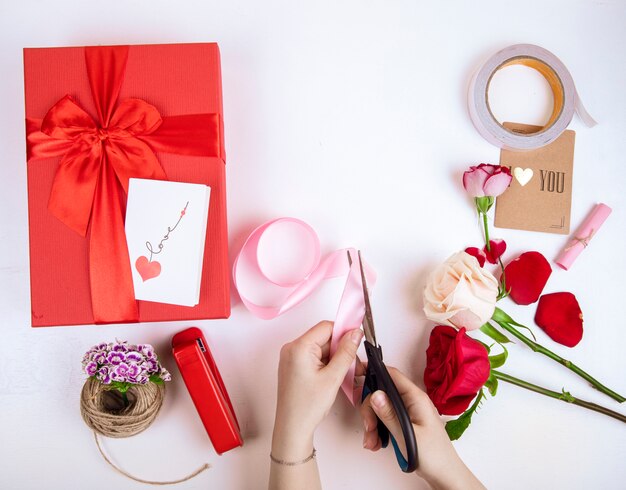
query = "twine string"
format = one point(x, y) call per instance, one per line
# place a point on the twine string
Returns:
point(584, 241)
point(105, 413)
point(205, 466)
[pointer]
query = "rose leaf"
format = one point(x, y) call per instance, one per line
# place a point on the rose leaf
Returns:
point(497, 360)
point(456, 427)
point(492, 385)
point(490, 331)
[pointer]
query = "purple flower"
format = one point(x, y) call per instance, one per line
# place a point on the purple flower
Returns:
point(151, 366)
point(120, 372)
point(133, 370)
point(119, 347)
point(91, 368)
point(104, 375)
point(123, 362)
point(147, 350)
point(116, 358)
point(165, 374)
point(134, 356)
point(100, 357)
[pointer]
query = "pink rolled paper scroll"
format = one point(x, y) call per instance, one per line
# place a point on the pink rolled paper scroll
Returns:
point(279, 266)
point(583, 236)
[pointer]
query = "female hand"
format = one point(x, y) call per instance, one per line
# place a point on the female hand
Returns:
point(439, 464)
point(307, 387)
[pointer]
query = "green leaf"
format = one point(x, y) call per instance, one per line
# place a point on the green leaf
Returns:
point(513, 325)
point(120, 386)
point(456, 427)
point(501, 317)
point(490, 331)
point(499, 359)
point(527, 328)
point(483, 204)
point(492, 385)
point(156, 379)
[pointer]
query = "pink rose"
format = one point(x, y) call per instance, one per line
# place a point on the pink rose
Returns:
point(486, 180)
point(460, 293)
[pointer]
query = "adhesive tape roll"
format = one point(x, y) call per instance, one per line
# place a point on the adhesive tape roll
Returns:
point(566, 100)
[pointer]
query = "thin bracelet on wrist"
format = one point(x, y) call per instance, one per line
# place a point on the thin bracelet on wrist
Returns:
point(294, 463)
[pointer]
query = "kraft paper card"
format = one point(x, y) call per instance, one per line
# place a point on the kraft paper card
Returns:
point(540, 195)
point(166, 226)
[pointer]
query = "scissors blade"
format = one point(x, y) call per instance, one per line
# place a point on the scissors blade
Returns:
point(368, 319)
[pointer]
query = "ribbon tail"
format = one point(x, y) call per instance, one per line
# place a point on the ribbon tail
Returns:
point(585, 117)
point(112, 292)
point(350, 316)
point(106, 66)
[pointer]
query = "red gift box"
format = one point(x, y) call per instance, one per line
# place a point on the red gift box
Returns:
point(95, 117)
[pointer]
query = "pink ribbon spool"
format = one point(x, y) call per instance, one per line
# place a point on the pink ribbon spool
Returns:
point(279, 266)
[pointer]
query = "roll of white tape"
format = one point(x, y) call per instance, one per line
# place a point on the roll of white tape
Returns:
point(566, 100)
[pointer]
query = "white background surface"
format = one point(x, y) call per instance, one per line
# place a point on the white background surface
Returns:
point(350, 115)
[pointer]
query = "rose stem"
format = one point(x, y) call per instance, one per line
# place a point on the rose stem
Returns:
point(486, 228)
point(503, 277)
point(534, 346)
point(566, 397)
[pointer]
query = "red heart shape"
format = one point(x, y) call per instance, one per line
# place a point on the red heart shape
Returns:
point(497, 248)
point(147, 270)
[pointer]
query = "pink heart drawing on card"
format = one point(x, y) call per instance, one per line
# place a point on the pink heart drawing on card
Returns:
point(147, 270)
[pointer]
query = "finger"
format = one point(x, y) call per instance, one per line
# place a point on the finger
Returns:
point(319, 334)
point(326, 351)
point(346, 353)
point(371, 440)
point(361, 367)
point(384, 410)
point(415, 400)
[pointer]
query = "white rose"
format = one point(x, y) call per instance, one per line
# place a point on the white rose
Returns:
point(460, 293)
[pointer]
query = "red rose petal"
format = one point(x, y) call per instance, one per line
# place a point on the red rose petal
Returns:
point(497, 248)
point(526, 276)
point(560, 317)
point(478, 253)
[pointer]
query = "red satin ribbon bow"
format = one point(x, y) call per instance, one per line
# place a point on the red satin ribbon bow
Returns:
point(98, 158)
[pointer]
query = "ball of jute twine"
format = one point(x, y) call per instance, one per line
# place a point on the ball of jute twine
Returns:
point(105, 411)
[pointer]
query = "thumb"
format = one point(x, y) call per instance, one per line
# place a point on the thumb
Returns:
point(384, 411)
point(346, 353)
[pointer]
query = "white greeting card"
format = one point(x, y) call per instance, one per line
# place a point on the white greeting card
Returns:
point(165, 232)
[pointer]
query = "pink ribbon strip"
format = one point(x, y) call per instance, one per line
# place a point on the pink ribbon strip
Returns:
point(279, 266)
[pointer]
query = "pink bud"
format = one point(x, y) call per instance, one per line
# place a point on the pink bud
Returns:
point(486, 180)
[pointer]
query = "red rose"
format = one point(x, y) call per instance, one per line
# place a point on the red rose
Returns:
point(457, 367)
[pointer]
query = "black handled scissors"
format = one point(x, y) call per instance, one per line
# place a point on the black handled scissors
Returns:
point(377, 378)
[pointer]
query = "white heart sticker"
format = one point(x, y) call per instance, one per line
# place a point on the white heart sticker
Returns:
point(523, 175)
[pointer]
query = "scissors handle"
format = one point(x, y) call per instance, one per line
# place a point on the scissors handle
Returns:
point(378, 378)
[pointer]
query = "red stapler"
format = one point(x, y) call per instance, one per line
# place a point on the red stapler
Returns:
point(207, 389)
